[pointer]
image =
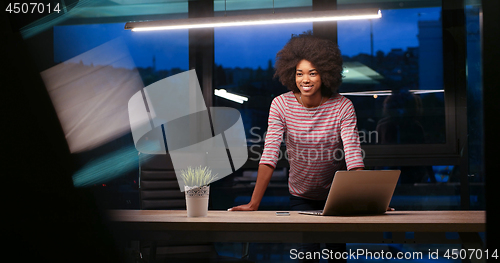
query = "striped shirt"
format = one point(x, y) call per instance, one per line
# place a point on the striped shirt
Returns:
point(315, 146)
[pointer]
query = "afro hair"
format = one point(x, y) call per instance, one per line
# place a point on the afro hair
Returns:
point(322, 53)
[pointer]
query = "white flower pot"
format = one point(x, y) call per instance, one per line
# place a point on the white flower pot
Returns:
point(197, 200)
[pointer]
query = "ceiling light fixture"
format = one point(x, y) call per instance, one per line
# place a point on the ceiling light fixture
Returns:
point(388, 92)
point(230, 96)
point(263, 19)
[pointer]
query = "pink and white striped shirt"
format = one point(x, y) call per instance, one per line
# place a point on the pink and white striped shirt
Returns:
point(315, 146)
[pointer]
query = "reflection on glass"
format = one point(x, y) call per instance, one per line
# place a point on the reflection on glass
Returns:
point(100, 67)
point(393, 73)
point(89, 93)
point(400, 123)
point(244, 59)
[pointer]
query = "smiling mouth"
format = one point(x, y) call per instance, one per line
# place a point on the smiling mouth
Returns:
point(307, 88)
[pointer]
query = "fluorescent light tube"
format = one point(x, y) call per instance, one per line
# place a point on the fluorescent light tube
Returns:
point(426, 91)
point(387, 92)
point(367, 93)
point(230, 96)
point(261, 19)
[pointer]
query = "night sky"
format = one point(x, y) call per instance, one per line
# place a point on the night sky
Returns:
point(250, 46)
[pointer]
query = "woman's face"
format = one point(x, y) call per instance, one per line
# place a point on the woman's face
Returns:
point(307, 78)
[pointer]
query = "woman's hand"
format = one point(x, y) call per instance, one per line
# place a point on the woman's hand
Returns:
point(263, 177)
point(390, 209)
point(247, 207)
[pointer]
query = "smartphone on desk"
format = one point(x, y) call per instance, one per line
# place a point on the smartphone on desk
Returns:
point(282, 213)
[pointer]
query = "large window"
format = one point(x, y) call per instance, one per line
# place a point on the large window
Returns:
point(393, 76)
point(154, 55)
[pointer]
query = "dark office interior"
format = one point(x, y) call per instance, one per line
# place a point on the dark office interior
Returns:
point(447, 163)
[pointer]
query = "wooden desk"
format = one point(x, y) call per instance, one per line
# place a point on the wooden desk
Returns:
point(265, 226)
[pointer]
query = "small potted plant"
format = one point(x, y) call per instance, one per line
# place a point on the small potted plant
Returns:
point(197, 189)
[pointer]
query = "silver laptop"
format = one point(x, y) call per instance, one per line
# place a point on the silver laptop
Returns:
point(359, 192)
